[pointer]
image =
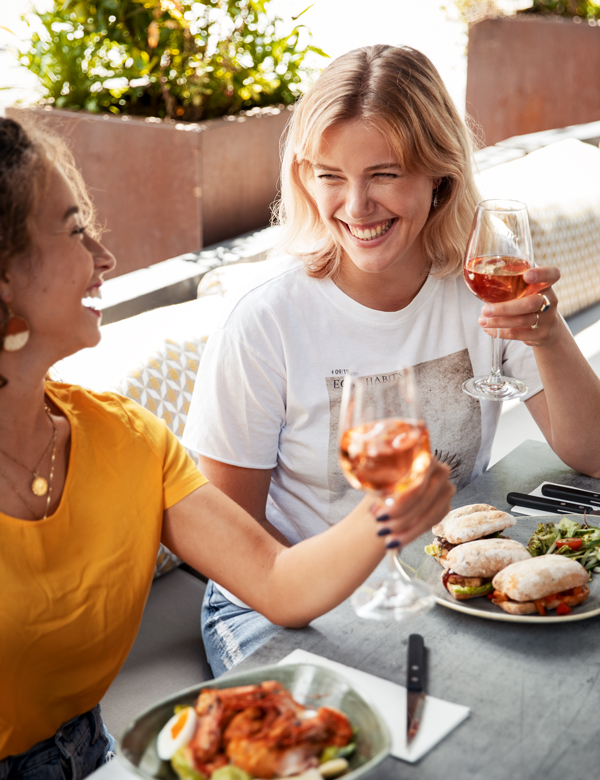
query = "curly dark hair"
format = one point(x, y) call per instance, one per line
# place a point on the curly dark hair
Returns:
point(28, 155)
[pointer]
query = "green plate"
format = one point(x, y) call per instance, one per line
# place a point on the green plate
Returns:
point(311, 685)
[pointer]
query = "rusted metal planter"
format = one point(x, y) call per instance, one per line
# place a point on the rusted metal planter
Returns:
point(166, 188)
point(526, 73)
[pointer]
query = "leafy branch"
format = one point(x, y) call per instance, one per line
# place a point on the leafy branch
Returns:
point(168, 58)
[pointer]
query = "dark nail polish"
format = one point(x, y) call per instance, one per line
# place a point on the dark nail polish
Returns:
point(383, 518)
point(384, 531)
point(394, 544)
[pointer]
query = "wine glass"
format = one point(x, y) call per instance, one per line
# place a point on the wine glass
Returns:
point(499, 251)
point(384, 450)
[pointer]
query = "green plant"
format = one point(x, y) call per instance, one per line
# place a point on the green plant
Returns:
point(167, 58)
point(471, 11)
point(582, 9)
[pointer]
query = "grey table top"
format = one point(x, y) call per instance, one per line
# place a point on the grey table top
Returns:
point(533, 690)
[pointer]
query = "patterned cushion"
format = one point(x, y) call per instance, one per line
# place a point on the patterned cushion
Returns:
point(164, 385)
point(561, 186)
point(165, 382)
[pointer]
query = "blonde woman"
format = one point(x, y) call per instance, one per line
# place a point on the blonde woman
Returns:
point(376, 204)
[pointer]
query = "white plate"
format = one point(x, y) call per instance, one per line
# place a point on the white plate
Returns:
point(416, 561)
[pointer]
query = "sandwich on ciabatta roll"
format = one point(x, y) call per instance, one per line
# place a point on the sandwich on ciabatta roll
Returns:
point(539, 584)
point(466, 524)
point(471, 566)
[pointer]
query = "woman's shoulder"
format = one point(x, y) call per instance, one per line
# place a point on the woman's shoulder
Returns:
point(105, 408)
point(268, 281)
point(78, 397)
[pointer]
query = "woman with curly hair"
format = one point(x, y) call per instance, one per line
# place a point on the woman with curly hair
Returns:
point(90, 483)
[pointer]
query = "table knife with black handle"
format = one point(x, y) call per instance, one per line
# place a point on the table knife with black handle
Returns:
point(571, 494)
point(415, 685)
point(550, 505)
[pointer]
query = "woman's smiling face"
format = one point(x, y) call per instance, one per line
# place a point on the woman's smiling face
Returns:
point(67, 268)
point(374, 209)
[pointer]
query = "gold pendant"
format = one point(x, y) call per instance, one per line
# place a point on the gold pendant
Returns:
point(39, 486)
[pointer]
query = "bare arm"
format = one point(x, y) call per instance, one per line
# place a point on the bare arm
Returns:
point(247, 487)
point(568, 409)
point(292, 586)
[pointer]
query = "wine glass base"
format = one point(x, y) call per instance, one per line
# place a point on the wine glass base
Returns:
point(392, 599)
point(480, 387)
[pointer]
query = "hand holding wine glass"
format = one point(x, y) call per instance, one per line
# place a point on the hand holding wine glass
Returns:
point(384, 450)
point(499, 252)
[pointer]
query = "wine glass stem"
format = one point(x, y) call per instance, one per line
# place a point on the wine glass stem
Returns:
point(396, 572)
point(495, 378)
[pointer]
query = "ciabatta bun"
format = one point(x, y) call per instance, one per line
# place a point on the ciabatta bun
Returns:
point(517, 607)
point(466, 527)
point(485, 557)
point(536, 578)
point(438, 529)
point(529, 608)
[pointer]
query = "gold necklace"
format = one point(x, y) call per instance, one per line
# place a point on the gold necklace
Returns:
point(50, 476)
point(39, 485)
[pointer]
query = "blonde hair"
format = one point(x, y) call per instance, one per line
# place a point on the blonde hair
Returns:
point(398, 91)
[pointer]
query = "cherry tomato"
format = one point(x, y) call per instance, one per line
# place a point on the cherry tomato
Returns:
point(563, 609)
point(569, 541)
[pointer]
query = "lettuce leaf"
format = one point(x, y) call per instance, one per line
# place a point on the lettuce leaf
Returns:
point(332, 752)
point(568, 528)
point(182, 766)
point(542, 539)
point(230, 772)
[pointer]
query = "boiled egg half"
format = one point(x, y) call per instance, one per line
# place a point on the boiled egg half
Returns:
point(176, 733)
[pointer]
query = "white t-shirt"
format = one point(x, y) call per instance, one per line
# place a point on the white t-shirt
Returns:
point(268, 391)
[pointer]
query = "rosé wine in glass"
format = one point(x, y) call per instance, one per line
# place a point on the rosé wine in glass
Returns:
point(384, 450)
point(499, 251)
point(385, 456)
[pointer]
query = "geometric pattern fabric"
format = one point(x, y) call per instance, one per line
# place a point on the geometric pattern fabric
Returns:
point(164, 385)
point(560, 184)
point(569, 238)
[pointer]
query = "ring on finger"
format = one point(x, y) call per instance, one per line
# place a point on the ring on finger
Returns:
point(545, 306)
point(537, 321)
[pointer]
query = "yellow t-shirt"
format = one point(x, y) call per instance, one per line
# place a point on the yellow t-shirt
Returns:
point(73, 587)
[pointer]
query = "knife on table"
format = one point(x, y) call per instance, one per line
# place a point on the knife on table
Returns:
point(571, 494)
point(551, 505)
point(415, 685)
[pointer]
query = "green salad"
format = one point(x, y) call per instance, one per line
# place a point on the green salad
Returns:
point(571, 539)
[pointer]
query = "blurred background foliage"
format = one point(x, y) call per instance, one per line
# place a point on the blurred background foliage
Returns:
point(168, 58)
point(472, 11)
point(583, 9)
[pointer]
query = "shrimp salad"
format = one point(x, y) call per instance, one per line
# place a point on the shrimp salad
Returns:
point(255, 731)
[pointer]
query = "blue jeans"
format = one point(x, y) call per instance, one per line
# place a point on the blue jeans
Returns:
point(81, 745)
point(230, 633)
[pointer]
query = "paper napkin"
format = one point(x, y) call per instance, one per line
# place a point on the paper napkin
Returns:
point(439, 717)
point(521, 510)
